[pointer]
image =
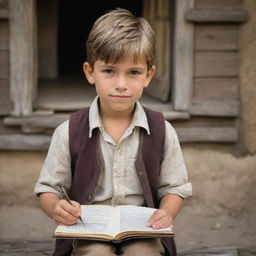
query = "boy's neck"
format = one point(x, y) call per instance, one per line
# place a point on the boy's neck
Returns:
point(116, 123)
point(116, 115)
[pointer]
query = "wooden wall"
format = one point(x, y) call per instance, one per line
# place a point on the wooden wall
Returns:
point(216, 57)
point(212, 108)
point(5, 102)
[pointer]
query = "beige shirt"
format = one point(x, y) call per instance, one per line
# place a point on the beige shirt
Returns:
point(119, 184)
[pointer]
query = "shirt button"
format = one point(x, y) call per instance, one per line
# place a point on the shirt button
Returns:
point(140, 173)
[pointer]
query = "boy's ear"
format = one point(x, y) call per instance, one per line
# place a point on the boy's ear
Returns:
point(88, 71)
point(150, 74)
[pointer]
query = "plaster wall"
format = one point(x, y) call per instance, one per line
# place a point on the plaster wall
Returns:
point(248, 77)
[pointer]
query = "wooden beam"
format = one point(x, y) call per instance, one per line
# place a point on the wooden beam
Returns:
point(218, 88)
point(183, 56)
point(4, 61)
point(185, 134)
point(5, 101)
point(34, 124)
point(37, 121)
point(24, 142)
point(231, 15)
point(224, 108)
point(207, 134)
point(4, 35)
point(4, 12)
point(216, 37)
point(23, 55)
point(48, 38)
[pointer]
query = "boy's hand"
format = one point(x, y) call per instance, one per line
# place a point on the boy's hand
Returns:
point(65, 213)
point(160, 219)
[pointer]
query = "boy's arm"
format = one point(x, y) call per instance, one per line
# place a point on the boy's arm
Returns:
point(170, 206)
point(60, 210)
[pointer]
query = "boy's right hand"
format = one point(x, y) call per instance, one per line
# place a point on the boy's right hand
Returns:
point(66, 214)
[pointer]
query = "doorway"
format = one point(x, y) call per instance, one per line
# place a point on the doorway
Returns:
point(75, 22)
point(62, 37)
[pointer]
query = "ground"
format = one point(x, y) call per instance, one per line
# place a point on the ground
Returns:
point(220, 214)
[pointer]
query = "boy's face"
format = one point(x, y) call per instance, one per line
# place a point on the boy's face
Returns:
point(119, 85)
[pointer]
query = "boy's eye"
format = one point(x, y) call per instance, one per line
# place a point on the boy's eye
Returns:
point(135, 72)
point(108, 71)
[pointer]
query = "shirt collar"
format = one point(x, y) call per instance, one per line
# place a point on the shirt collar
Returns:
point(139, 117)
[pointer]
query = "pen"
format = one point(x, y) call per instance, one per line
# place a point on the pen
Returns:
point(66, 197)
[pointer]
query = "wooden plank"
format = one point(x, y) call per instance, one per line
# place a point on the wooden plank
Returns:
point(236, 15)
point(216, 37)
point(216, 88)
point(4, 63)
point(185, 134)
point(5, 102)
point(183, 57)
point(205, 121)
point(217, 3)
point(4, 35)
point(207, 134)
point(24, 142)
point(37, 121)
point(23, 55)
point(4, 11)
point(225, 108)
point(48, 38)
point(216, 64)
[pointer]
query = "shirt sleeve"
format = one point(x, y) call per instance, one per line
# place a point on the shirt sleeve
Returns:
point(56, 168)
point(173, 173)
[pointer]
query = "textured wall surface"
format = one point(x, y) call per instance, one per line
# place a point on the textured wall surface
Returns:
point(248, 77)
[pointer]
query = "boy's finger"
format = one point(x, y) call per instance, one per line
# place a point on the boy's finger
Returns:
point(155, 216)
point(162, 223)
point(61, 220)
point(71, 209)
point(77, 206)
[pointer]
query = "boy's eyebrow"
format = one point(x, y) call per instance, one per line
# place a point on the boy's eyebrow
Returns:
point(106, 65)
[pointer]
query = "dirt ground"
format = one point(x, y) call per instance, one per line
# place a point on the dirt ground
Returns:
point(221, 212)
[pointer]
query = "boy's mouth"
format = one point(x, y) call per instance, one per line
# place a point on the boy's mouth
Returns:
point(120, 96)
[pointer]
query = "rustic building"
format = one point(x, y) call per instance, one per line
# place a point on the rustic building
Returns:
point(204, 85)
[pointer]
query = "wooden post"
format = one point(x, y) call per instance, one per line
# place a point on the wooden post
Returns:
point(23, 55)
point(183, 56)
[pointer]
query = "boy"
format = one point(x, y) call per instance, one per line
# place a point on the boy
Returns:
point(117, 152)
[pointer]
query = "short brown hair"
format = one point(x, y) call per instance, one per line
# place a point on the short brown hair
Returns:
point(118, 34)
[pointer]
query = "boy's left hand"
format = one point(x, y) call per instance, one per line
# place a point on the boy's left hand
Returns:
point(160, 219)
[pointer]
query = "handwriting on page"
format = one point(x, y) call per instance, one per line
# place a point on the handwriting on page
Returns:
point(96, 219)
point(96, 222)
point(133, 218)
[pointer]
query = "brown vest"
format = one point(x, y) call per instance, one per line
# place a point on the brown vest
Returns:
point(87, 163)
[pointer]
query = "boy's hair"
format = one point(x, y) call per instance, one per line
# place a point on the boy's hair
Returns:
point(119, 34)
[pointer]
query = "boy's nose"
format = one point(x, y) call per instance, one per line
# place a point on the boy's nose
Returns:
point(121, 84)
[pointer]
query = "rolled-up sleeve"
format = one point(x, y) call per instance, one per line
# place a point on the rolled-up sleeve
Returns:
point(173, 173)
point(56, 167)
